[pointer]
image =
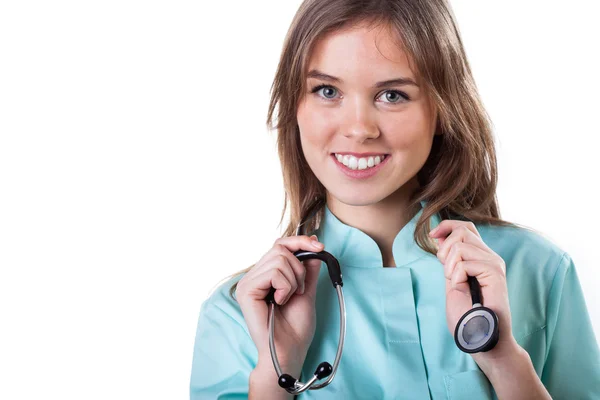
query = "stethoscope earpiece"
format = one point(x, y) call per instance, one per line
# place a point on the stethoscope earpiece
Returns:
point(287, 381)
point(324, 369)
point(477, 330)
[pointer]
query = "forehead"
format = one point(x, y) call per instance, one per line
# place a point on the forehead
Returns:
point(361, 52)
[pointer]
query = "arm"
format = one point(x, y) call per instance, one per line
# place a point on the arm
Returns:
point(263, 381)
point(572, 367)
point(224, 356)
point(513, 376)
point(225, 363)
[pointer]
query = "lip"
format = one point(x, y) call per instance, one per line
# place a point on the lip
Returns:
point(360, 173)
point(359, 155)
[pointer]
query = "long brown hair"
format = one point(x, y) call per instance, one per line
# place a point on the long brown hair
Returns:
point(459, 178)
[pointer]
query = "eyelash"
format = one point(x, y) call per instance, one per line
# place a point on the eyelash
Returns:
point(322, 86)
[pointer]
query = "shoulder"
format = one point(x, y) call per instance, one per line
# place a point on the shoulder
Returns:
point(224, 353)
point(534, 262)
point(223, 305)
point(524, 250)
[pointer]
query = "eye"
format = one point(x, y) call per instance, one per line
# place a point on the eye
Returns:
point(395, 96)
point(329, 87)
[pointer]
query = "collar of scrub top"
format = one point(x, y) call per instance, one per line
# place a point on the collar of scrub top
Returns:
point(353, 247)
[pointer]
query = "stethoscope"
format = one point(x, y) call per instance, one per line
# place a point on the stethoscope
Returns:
point(476, 331)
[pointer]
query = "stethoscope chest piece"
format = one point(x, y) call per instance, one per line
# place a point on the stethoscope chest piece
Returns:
point(477, 330)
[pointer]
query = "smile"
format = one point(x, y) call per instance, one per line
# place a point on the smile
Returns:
point(351, 166)
point(355, 163)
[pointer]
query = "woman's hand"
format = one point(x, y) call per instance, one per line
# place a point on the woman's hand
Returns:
point(296, 286)
point(463, 253)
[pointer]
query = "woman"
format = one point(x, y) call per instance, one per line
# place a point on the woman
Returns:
point(379, 118)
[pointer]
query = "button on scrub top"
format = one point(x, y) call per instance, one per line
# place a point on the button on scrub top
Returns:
point(397, 341)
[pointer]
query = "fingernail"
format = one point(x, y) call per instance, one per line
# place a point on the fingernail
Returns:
point(433, 231)
point(316, 244)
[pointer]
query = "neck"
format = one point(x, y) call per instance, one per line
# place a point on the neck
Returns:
point(382, 220)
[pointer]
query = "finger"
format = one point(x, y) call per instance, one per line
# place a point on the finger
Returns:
point(445, 227)
point(255, 310)
point(301, 242)
point(461, 287)
point(292, 244)
point(298, 268)
point(460, 234)
point(480, 270)
point(283, 264)
point(278, 262)
point(274, 278)
point(464, 252)
point(279, 256)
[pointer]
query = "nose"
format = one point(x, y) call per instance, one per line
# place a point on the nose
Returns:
point(360, 120)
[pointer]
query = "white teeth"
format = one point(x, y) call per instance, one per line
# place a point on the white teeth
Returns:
point(359, 163)
point(362, 163)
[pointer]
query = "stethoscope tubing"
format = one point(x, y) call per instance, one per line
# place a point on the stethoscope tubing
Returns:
point(300, 387)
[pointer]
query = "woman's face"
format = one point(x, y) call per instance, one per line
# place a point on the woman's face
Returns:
point(356, 115)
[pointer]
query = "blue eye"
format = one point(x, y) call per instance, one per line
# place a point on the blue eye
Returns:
point(396, 96)
point(401, 97)
point(317, 88)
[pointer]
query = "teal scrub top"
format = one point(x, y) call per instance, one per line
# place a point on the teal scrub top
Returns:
point(397, 342)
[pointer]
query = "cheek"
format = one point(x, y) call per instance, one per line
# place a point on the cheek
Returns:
point(410, 131)
point(315, 124)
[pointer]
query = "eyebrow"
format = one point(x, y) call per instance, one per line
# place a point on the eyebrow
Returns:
point(391, 82)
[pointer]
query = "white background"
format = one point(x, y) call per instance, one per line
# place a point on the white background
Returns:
point(136, 170)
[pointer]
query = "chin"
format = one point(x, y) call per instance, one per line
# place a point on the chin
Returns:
point(356, 198)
